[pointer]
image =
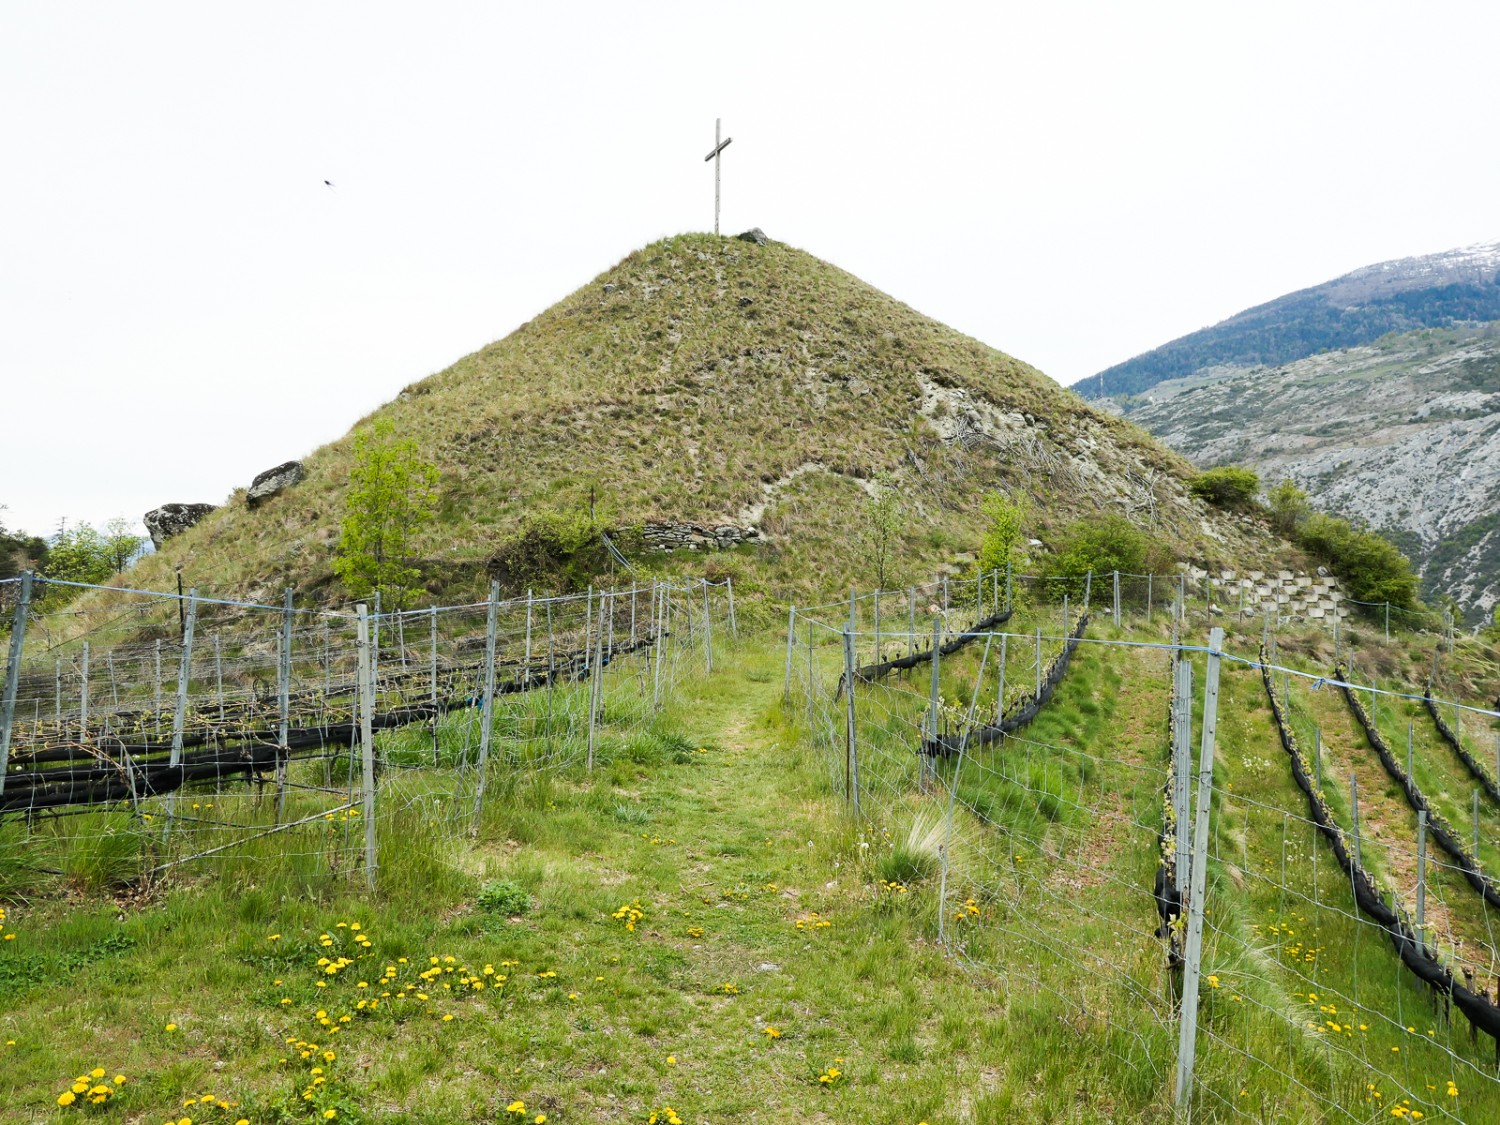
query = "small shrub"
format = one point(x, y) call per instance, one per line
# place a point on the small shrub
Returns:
point(1226, 487)
point(501, 896)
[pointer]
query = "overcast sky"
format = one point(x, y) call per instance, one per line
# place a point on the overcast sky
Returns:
point(184, 303)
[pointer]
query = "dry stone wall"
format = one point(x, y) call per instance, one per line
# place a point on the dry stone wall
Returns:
point(1289, 595)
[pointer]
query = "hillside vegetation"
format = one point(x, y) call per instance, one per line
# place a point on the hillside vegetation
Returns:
point(713, 381)
point(1402, 435)
point(1435, 291)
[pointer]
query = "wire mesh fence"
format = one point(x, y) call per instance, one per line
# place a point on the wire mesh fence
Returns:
point(174, 731)
point(1263, 949)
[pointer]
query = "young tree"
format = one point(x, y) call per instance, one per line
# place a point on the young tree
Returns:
point(1003, 539)
point(79, 554)
point(1289, 506)
point(884, 515)
point(392, 494)
point(122, 543)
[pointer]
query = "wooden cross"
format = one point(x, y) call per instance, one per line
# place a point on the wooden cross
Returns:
point(719, 146)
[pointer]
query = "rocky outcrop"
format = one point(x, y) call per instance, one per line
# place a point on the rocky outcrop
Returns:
point(695, 537)
point(272, 481)
point(1402, 435)
point(755, 235)
point(173, 519)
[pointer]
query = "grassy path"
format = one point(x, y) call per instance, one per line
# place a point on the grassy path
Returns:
point(766, 975)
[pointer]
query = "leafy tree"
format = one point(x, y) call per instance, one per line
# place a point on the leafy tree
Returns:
point(1103, 544)
point(884, 516)
point(79, 554)
point(392, 494)
point(1289, 506)
point(1003, 540)
point(123, 543)
point(19, 551)
point(1226, 486)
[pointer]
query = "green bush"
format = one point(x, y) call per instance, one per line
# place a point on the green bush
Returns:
point(1289, 506)
point(1370, 566)
point(1226, 487)
point(501, 896)
point(554, 550)
point(1102, 544)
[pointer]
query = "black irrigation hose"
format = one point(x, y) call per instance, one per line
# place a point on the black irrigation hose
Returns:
point(872, 672)
point(1414, 953)
point(1439, 828)
point(946, 745)
point(1477, 771)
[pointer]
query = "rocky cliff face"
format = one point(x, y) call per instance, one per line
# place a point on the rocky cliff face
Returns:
point(1402, 434)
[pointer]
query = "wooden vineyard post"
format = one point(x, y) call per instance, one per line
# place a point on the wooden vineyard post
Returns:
point(365, 694)
point(596, 680)
point(708, 634)
point(156, 695)
point(932, 709)
point(1187, 1043)
point(1182, 757)
point(851, 747)
point(1000, 689)
point(526, 665)
point(83, 695)
point(375, 641)
point(1038, 696)
point(184, 678)
point(1354, 817)
point(1421, 874)
point(487, 703)
point(13, 674)
point(219, 673)
point(283, 703)
point(791, 640)
point(1476, 826)
point(659, 605)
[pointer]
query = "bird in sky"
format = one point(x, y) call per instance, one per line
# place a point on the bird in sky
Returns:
point(329, 184)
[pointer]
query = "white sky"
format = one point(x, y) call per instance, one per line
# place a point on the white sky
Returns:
point(183, 303)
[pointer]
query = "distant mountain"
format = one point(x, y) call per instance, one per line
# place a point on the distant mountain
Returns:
point(1435, 291)
point(1402, 435)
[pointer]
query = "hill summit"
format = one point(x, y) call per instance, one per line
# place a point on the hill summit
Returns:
point(715, 390)
point(1431, 291)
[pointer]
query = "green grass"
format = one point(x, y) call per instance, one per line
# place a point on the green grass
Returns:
point(723, 824)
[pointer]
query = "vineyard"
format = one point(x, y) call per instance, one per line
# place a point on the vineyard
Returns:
point(1293, 928)
point(1244, 866)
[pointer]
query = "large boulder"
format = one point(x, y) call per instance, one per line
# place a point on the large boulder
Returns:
point(272, 481)
point(755, 235)
point(173, 519)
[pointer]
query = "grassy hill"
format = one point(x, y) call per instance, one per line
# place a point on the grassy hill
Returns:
point(714, 381)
